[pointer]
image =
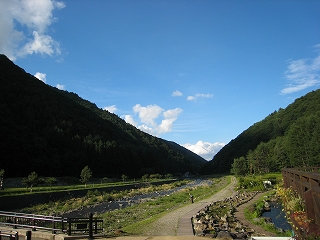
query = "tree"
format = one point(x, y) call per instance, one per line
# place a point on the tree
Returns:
point(104, 180)
point(145, 177)
point(168, 176)
point(31, 181)
point(1, 178)
point(85, 175)
point(124, 177)
point(51, 180)
point(240, 166)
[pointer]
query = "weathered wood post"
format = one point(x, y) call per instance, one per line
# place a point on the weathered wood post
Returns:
point(90, 226)
point(53, 226)
point(69, 226)
point(28, 235)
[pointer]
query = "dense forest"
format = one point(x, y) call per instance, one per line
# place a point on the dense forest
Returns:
point(57, 133)
point(286, 138)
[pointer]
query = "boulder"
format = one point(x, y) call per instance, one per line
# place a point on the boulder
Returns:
point(225, 235)
point(224, 218)
point(199, 227)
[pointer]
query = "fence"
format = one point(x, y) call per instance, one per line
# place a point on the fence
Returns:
point(306, 181)
point(80, 226)
point(8, 235)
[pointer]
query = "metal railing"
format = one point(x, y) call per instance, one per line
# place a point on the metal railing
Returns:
point(307, 183)
point(8, 235)
point(80, 226)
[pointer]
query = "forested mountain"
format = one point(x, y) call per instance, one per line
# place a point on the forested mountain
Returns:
point(57, 133)
point(286, 138)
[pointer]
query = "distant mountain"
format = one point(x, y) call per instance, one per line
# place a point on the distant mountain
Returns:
point(57, 133)
point(286, 138)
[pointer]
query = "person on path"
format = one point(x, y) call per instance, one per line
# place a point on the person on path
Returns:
point(191, 198)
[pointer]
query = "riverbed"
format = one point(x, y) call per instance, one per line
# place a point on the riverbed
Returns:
point(126, 202)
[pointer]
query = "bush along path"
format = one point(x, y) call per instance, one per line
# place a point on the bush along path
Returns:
point(225, 219)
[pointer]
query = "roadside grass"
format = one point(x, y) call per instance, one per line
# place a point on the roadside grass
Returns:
point(135, 220)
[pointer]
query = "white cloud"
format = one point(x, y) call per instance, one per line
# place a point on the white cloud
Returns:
point(111, 108)
point(169, 117)
point(172, 113)
point(129, 119)
point(42, 44)
point(147, 129)
point(302, 73)
point(205, 149)
point(176, 94)
point(148, 116)
point(199, 95)
point(36, 16)
point(41, 76)
point(191, 98)
point(61, 87)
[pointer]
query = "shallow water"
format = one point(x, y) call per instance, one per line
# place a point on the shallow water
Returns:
point(277, 216)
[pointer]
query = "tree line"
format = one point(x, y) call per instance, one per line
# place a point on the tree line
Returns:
point(286, 138)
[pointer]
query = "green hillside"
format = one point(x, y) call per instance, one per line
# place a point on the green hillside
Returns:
point(286, 138)
point(57, 133)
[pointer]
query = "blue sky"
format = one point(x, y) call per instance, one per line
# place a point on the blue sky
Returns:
point(195, 72)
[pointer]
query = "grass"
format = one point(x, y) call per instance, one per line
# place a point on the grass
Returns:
point(135, 219)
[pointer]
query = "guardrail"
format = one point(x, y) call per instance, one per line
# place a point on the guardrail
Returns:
point(80, 226)
point(306, 181)
point(4, 235)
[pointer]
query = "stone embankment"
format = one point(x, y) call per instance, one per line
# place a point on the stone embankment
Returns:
point(217, 219)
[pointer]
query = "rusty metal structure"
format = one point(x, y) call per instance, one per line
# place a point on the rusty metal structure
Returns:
point(306, 181)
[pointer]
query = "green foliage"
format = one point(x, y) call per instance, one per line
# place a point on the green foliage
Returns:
point(51, 181)
point(124, 177)
point(31, 180)
point(155, 176)
point(290, 199)
point(1, 179)
point(255, 182)
point(240, 167)
point(145, 177)
point(168, 176)
point(85, 175)
point(104, 180)
point(285, 138)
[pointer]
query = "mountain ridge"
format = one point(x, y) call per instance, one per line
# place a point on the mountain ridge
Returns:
point(275, 140)
point(57, 133)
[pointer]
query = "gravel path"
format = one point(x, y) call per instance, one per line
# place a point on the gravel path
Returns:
point(168, 224)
